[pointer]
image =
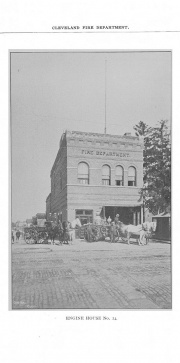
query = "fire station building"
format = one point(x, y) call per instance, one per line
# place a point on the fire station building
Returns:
point(97, 173)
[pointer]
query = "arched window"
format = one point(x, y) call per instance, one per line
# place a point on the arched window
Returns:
point(106, 175)
point(119, 176)
point(83, 173)
point(131, 176)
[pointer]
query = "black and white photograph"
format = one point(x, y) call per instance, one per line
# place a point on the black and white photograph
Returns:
point(90, 135)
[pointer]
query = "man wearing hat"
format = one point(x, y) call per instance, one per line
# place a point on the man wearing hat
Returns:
point(116, 220)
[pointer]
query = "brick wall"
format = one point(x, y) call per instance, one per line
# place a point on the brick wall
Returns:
point(96, 150)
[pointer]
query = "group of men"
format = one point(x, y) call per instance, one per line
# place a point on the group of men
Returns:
point(116, 220)
point(15, 235)
point(92, 233)
point(104, 221)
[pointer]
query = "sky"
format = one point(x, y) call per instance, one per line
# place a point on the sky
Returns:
point(54, 91)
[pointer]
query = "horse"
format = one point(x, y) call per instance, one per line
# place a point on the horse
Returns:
point(141, 230)
point(149, 228)
point(63, 231)
point(55, 230)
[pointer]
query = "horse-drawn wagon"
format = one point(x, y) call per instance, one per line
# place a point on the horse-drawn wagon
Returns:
point(35, 234)
point(94, 232)
point(61, 232)
point(104, 232)
point(119, 232)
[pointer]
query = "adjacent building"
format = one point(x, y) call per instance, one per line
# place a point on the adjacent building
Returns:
point(97, 173)
point(163, 229)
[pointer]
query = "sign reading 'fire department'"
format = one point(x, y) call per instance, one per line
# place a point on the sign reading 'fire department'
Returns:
point(105, 153)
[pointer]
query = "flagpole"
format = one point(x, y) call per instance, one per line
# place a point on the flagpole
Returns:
point(105, 95)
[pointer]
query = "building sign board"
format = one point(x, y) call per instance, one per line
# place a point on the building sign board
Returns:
point(105, 153)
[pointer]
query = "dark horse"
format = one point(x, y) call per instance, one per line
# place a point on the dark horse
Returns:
point(59, 231)
point(55, 231)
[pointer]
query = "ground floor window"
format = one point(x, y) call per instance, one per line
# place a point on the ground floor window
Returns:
point(85, 215)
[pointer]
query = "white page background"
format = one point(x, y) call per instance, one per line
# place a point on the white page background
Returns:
point(45, 336)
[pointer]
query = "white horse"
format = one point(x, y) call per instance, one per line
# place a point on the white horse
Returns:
point(72, 226)
point(143, 231)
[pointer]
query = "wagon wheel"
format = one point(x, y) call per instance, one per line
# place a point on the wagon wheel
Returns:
point(103, 229)
point(104, 232)
point(40, 241)
point(45, 240)
point(30, 241)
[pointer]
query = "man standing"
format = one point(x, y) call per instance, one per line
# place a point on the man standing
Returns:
point(89, 232)
point(17, 235)
point(109, 220)
point(116, 220)
point(112, 232)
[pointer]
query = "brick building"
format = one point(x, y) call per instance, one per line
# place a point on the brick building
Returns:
point(97, 173)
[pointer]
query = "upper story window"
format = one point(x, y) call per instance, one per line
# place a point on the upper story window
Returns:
point(131, 176)
point(119, 175)
point(106, 175)
point(83, 173)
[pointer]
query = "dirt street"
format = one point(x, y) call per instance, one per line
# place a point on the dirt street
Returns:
point(97, 275)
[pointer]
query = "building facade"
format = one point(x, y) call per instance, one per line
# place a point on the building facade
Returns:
point(97, 173)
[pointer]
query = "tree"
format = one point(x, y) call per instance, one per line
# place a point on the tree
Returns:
point(156, 191)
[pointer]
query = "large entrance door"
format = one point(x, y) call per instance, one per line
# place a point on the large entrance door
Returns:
point(85, 215)
point(127, 215)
